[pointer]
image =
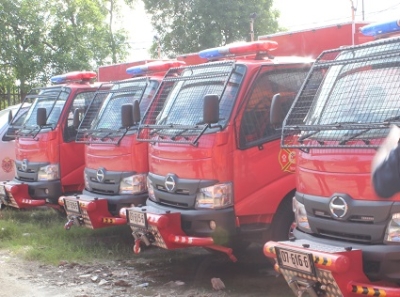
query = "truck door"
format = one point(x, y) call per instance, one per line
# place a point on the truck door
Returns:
point(259, 167)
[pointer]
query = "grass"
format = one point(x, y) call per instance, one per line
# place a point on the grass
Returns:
point(39, 234)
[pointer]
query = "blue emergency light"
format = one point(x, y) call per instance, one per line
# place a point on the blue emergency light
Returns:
point(377, 29)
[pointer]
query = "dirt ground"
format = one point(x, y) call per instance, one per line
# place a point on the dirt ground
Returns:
point(155, 272)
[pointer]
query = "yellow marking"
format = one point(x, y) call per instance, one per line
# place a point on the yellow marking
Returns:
point(369, 291)
point(108, 221)
point(323, 260)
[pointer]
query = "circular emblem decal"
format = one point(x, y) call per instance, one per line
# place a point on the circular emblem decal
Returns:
point(170, 183)
point(24, 165)
point(7, 164)
point(287, 160)
point(338, 207)
point(100, 175)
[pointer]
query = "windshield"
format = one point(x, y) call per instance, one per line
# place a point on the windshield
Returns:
point(123, 93)
point(4, 114)
point(103, 120)
point(176, 114)
point(355, 103)
point(184, 105)
point(53, 100)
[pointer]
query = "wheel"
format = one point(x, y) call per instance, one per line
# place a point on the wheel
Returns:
point(283, 221)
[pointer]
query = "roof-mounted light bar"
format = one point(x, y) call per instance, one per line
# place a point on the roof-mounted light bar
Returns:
point(153, 67)
point(238, 49)
point(382, 28)
point(73, 76)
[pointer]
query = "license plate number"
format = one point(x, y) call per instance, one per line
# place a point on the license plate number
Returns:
point(137, 218)
point(294, 260)
point(72, 205)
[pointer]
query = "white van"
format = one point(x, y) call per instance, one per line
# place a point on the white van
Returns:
point(7, 145)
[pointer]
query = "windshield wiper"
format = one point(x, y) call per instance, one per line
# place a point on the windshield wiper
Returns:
point(305, 136)
point(392, 119)
point(344, 141)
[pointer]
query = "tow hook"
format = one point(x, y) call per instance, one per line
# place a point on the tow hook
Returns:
point(301, 287)
point(69, 224)
point(147, 238)
point(77, 220)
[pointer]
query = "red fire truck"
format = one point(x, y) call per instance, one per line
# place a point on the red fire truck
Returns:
point(49, 162)
point(217, 176)
point(346, 238)
point(116, 163)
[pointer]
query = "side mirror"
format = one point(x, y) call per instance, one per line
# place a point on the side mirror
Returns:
point(127, 115)
point(136, 112)
point(276, 115)
point(211, 109)
point(41, 116)
point(10, 117)
point(76, 120)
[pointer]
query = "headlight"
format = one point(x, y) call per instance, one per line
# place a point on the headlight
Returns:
point(393, 229)
point(215, 197)
point(87, 183)
point(49, 172)
point(133, 184)
point(300, 216)
point(150, 190)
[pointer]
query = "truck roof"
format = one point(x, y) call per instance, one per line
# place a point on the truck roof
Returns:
point(313, 41)
point(114, 72)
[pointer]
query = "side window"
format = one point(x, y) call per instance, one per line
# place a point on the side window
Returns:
point(255, 127)
point(81, 101)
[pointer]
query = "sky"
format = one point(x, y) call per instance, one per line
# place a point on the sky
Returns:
point(295, 15)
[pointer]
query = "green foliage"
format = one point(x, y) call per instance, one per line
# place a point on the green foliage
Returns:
point(42, 38)
point(39, 235)
point(185, 26)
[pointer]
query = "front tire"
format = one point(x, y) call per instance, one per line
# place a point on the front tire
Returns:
point(283, 221)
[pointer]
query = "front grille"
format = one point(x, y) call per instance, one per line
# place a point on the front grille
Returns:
point(177, 191)
point(25, 179)
point(102, 191)
point(344, 235)
point(106, 181)
point(176, 204)
point(365, 219)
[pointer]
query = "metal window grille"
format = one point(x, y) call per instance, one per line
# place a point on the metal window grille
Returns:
point(176, 113)
point(255, 127)
point(53, 99)
point(349, 99)
point(102, 121)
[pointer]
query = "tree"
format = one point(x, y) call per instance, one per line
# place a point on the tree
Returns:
point(42, 38)
point(185, 26)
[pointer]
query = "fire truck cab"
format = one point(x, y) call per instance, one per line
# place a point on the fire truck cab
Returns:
point(217, 177)
point(346, 238)
point(116, 164)
point(48, 160)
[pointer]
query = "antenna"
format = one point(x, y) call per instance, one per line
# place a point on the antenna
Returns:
point(353, 29)
point(252, 17)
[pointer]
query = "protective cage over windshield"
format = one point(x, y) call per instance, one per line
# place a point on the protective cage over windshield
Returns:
point(349, 100)
point(176, 114)
point(52, 100)
point(102, 121)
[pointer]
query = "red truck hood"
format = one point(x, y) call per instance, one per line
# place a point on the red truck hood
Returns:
point(192, 161)
point(323, 172)
point(129, 155)
point(44, 148)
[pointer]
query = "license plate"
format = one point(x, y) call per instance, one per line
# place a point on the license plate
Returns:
point(72, 205)
point(294, 260)
point(137, 218)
